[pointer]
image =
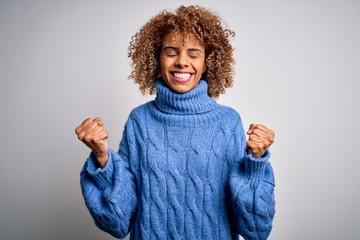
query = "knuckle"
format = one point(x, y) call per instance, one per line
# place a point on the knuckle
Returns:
point(262, 146)
point(271, 134)
point(92, 124)
point(80, 137)
point(88, 138)
point(87, 120)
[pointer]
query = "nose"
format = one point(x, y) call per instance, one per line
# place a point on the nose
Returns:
point(181, 61)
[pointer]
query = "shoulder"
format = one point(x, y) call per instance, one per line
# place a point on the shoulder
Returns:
point(231, 114)
point(140, 115)
point(231, 119)
point(140, 111)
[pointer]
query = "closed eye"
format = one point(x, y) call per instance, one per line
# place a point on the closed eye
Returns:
point(170, 51)
point(194, 52)
point(170, 54)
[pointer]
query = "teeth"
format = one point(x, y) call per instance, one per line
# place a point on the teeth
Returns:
point(182, 75)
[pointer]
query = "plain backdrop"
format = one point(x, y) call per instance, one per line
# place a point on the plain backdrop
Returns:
point(297, 71)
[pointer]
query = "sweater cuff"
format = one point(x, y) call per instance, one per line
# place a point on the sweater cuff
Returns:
point(101, 176)
point(255, 168)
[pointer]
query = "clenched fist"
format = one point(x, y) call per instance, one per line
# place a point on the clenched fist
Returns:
point(260, 138)
point(92, 133)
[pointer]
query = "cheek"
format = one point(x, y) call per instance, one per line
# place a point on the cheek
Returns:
point(202, 67)
point(161, 67)
point(164, 64)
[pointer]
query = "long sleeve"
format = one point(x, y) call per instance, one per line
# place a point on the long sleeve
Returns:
point(110, 192)
point(252, 189)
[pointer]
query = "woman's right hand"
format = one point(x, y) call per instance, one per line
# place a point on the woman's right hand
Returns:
point(92, 133)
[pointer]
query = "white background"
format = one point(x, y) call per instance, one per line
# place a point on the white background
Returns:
point(297, 71)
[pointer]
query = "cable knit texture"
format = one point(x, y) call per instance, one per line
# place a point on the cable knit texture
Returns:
point(182, 172)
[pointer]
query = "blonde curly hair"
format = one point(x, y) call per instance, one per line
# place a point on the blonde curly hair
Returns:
point(145, 46)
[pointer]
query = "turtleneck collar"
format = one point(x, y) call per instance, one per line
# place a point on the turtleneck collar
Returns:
point(195, 101)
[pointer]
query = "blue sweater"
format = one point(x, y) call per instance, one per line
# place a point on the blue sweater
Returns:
point(182, 172)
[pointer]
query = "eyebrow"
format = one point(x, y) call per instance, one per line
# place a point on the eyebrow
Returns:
point(194, 50)
point(175, 48)
point(169, 47)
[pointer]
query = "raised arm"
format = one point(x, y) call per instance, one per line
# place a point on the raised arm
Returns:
point(109, 188)
point(252, 182)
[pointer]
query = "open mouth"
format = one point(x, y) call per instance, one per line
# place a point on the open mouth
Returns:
point(181, 76)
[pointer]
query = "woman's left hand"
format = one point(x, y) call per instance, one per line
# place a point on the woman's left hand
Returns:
point(260, 139)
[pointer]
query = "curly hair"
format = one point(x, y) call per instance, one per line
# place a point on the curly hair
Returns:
point(145, 46)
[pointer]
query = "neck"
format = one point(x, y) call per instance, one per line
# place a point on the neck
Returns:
point(193, 102)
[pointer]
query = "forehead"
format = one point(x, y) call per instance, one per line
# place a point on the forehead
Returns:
point(179, 38)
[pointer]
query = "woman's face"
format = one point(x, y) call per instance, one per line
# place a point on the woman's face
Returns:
point(182, 63)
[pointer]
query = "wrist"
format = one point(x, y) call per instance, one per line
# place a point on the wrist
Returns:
point(257, 154)
point(102, 159)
